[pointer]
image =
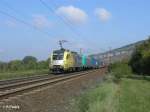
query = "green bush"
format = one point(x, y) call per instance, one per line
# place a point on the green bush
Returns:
point(119, 70)
point(30, 62)
point(15, 65)
point(140, 60)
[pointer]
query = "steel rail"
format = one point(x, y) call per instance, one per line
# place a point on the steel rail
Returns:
point(21, 79)
point(32, 86)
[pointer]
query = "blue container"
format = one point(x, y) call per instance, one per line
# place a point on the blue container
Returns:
point(84, 60)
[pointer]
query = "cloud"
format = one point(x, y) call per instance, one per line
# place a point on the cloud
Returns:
point(102, 14)
point(1, 50)
point(41, 21)
point(73, 14)
point(11, 23)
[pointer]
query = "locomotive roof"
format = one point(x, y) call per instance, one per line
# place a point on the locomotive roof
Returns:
point(62, 51)
point(59, 51)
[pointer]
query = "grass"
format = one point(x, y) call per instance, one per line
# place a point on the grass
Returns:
point(18, 74)
point(134, 96)
point(130, 95)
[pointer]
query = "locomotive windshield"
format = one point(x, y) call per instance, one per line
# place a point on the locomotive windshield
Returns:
point(58, 55)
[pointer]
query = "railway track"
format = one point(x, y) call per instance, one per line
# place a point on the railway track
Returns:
point(15, 80)
point(23, 79)
point(26, 85)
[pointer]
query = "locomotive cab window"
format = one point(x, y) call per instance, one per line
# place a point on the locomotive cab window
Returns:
point(58, 57)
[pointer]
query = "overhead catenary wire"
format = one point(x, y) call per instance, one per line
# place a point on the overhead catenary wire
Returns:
point(69, 22)
point(66, 21)
point(51, 9)
point(24, 22)
point(10, 7)
point(29, 24)
point(21, 20)
point(64, 18)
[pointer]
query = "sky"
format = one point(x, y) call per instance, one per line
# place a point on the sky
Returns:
point(34, 27)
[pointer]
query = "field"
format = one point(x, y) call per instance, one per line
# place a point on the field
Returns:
point(130, 95)
point(17, 74)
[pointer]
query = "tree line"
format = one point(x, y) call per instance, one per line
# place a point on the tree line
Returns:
point(27, 63)
point(140, 60)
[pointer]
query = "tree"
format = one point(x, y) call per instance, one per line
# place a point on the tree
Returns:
point(42, 65)
point(30, 62)
point(3, 67)
point(15, 65)
point(140, 60)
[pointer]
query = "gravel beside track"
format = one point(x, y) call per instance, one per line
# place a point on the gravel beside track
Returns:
point(53, 98)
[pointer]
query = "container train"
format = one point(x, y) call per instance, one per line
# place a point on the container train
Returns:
point(64, 60)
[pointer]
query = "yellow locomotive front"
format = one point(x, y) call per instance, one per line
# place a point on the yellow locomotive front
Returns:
point(57, 61)
point(62, 60)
